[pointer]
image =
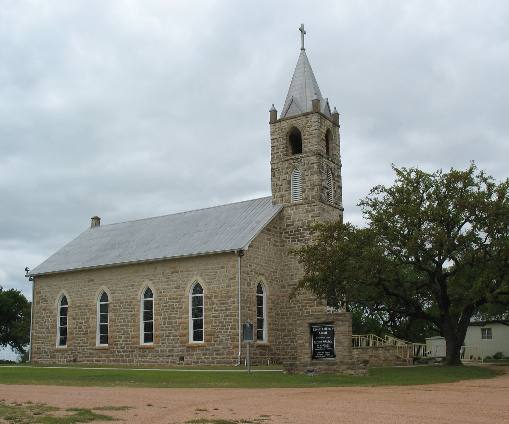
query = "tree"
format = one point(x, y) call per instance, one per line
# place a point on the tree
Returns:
point(14, 320)
point(435, 249)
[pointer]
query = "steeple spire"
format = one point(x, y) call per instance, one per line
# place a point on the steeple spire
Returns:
point(303, 88)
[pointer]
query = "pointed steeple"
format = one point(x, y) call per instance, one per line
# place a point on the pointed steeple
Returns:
point(303, 88)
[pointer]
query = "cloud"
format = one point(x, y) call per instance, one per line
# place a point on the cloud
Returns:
point(128, 109)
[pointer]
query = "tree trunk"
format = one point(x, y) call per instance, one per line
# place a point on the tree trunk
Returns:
point(452, 351)
point(454, 338)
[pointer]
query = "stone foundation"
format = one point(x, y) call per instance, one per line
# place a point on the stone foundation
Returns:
point(377, 356)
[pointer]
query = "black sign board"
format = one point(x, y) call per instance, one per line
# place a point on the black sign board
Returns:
point(247, 332)
point(322, 340)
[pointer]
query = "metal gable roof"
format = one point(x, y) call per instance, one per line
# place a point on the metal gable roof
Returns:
point(204, 231)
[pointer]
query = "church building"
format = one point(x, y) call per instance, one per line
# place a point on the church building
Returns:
point(176, 289)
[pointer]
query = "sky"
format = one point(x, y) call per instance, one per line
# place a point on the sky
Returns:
point(130, 109)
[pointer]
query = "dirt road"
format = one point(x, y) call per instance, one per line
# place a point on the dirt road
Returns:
point(473, 401)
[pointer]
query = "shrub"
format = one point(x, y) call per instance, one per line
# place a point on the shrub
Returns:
point(498, 355)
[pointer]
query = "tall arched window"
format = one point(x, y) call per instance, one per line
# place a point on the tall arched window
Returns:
point(261, 313)
point(63, 308)
point(196, 313)
point(295, 140)
point(102, 320)
point(328, 138)
point(296, 186)
point(330, 187)
point(147, 317)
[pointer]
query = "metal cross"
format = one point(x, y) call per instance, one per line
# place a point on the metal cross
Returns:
point(302, 33)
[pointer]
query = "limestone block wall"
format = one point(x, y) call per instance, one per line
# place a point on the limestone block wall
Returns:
point(377, 356)
point(343, 362)
point(262, 263)
point(170, 282)
point(312, 162)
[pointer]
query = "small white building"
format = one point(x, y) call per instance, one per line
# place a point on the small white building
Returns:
point(483, 338)
point(491, 337)
point(435, 347)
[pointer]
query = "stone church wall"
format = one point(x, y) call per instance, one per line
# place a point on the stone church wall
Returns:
point(170, 281)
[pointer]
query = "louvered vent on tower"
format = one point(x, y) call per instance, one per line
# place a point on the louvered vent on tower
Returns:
point(296, 186)
point(330, 192)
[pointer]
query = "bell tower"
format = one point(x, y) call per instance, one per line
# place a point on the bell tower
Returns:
point(305, 149)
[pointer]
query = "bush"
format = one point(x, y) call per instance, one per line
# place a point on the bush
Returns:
point(498, 355)
point(487, 358)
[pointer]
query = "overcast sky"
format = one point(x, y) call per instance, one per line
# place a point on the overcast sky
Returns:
point(130, 109)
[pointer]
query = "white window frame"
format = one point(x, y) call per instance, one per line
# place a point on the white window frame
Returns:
point(191, 319)
point(485, 331)
point(59, 307)
point(265, 315)
point(142, 320)
point(98, 316)
point(296, 186)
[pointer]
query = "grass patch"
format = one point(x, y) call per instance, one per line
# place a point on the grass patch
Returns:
point(33, 413)
point(175, 379)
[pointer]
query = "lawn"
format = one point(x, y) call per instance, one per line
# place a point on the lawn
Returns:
point(215, 379)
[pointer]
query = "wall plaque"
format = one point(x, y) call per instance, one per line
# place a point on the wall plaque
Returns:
point(322, 341)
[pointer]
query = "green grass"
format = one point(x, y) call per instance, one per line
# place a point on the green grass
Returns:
point(34, 413)
point(497, 361)
point(182, 379)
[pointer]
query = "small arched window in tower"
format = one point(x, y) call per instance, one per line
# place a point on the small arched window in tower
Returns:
point(296, 186)
point(295, 140)
point(63, 307)
point(147, 317)
point(328, 141)
point(330, 187)
point(196, 314)
point(102, 320)
point(261, 313)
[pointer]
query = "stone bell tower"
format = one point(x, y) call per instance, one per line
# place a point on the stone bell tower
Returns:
point(305, 151)
point(306, 180)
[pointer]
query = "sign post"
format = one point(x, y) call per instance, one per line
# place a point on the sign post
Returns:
point(247, 336)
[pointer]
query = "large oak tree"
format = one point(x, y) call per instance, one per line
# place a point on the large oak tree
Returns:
point(435, 248)
point(14, 320)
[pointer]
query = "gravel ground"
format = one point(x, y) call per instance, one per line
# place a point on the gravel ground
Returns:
point(471, 401)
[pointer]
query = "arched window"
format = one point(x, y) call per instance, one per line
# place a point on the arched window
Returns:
point(330, 187)
point(328, 139)
point(196, 314)
point(296, 186)
point(63, 308)
point(295, 140)
point(261, 313)
point(102, 320)
point(147, 317)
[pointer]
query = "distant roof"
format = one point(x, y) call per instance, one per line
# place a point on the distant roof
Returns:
point(199, 232)
point(492, 321)
point(303, 89)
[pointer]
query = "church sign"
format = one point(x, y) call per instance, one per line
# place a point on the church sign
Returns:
point(322, 341)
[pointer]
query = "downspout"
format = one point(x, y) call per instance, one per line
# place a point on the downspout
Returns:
point(31, 319)
point(239, 253)
point(31, 279)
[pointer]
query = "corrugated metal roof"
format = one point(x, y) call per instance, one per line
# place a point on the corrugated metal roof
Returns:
point(204, 231)
point(303, 89)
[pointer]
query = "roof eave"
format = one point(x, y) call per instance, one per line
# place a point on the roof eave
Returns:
point(140, 261)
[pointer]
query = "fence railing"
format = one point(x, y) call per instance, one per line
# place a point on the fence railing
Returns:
point(404, 349)
point(367, 340)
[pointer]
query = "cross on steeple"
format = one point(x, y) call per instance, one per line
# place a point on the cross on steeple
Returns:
point(302, 33)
